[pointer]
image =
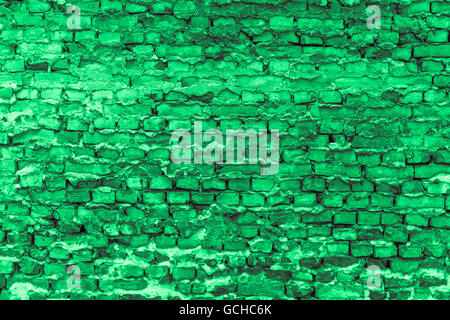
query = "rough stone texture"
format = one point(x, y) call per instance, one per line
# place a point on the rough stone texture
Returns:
point(86, 177)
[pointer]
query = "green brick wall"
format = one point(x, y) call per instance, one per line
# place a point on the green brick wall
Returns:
point(359, 206)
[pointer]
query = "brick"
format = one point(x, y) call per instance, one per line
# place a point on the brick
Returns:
point(339, 292)
point(420, 202)
point(361, 250)
point(359, 176)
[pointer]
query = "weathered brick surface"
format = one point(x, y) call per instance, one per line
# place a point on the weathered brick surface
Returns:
point(86, 177)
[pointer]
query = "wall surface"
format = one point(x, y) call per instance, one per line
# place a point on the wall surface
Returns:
point(93, 206)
